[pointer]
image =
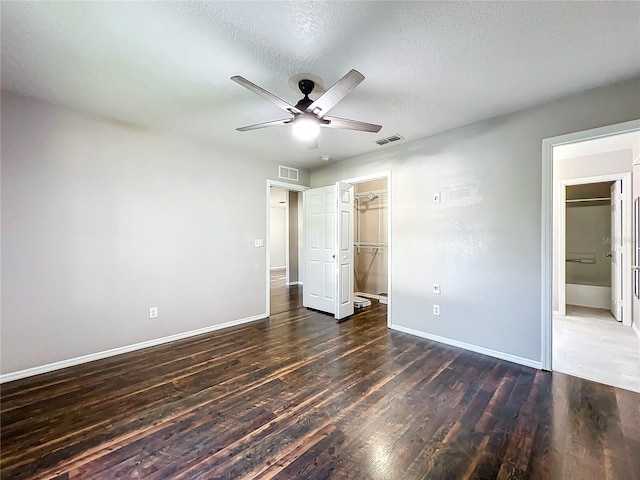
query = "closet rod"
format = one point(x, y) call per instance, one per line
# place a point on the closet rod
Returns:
point(370, 244)
point(379, 193)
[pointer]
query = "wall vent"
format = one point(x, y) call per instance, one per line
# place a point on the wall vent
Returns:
point(392, 138)
point(287, 173)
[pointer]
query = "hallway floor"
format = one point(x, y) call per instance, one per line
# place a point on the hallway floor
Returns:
point(589, 343)
point(283, 297)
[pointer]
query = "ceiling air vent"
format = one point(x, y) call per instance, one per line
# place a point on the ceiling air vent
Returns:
point(393, 138)
point(287, 173)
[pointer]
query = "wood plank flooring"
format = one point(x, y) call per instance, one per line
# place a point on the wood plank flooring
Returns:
point(283, 297)
point(301, 396)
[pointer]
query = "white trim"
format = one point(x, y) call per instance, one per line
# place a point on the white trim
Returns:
point(546, 240)
point(50, 367)
point(286, 237)
point(379, 176)
point(592, 296)
point(267, 240)
point(560, 189)
point(468, 346)
point(368, 177)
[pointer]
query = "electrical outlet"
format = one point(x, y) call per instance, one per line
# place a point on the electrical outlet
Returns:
point(259, 242)
point(153, 312)
point(436, 197)
point(436, 288)
point(436, 309)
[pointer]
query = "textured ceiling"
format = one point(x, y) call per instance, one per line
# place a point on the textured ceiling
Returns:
point(429, 66)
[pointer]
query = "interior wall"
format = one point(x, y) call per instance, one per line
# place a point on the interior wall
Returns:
point(102, 220)
point(293, 237)
point(371, 264)
point(482, 242)
point(608, 163)
point(589, 236)
point(278, 228)
point(278, 237)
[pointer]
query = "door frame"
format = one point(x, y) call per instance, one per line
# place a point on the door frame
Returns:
point(267, 240)
point(561, 225)
point(380, 176)
point(546, 241)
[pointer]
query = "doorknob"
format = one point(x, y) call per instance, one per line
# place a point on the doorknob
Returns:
point(635, 267)
point(607, 255)
point(334, 255)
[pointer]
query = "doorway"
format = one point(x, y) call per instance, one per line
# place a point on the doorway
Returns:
point(593, 260)
point(590, 333)
point(372, 243)
point(348, 235)
point(285, 270)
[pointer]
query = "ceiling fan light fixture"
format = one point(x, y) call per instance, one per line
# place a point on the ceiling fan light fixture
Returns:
point(306, 128)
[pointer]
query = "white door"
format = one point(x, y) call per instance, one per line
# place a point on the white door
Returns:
point(616, 250)
point(345, 229)
point(319, 290)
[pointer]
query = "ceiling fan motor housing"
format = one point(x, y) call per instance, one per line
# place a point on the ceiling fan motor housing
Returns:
point(306, 86)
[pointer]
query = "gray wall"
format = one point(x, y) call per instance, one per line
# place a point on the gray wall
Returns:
point(278, 236)
point(482, 243)
point(101, 220)
point(589, 236)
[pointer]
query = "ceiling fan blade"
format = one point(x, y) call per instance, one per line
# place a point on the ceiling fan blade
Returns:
point(267, 95)
point(336, 122)
point(311, 144)
point(264, 125)
point(336, 93)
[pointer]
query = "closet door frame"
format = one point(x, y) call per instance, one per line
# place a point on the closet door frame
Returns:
point(626, 233)
point(384, 175)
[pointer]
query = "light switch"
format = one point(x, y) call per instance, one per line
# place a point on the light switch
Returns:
point(259, 242)
point(436, 197)
point(436, 288)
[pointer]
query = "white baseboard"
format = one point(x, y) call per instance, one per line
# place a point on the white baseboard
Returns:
point(293, 283)
point(588, 296)
point(50, 367)
point(467, 346)
point(367, 295)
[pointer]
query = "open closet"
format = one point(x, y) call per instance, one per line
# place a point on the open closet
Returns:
point(592, 234)
point(370, 242)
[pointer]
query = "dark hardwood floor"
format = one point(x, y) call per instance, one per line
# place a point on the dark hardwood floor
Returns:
point(301, 396)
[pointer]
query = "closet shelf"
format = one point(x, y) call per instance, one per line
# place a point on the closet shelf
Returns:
point(599, 199)
point(372, 193)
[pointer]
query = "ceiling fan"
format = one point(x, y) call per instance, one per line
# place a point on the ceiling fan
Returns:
point(309, 115)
